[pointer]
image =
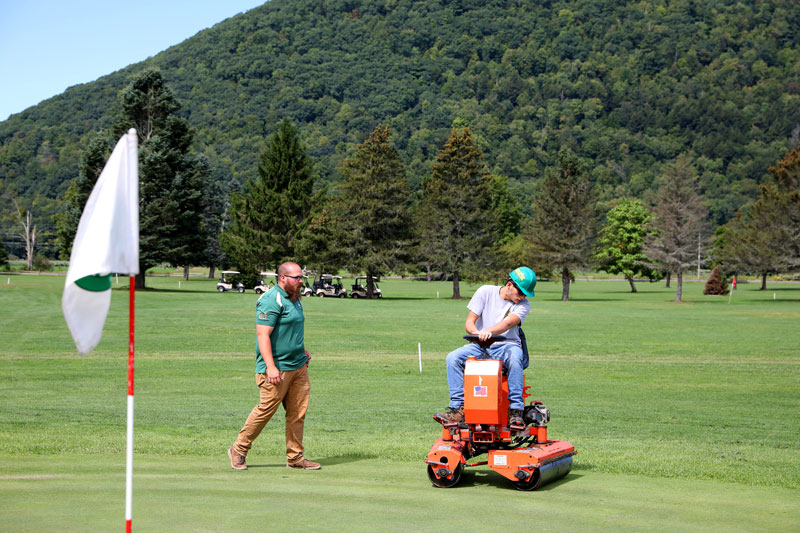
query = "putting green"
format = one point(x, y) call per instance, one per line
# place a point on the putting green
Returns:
point(197, 493)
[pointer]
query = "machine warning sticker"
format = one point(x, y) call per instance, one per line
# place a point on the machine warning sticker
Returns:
point(481, 392)
point(500, 460)
point(444, 448)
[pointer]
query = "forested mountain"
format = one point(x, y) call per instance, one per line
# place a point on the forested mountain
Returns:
point(627, 86)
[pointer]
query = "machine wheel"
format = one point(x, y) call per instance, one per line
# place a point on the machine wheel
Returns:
point(342, 295)
point(321, 295)
point(354, 296)
point(531, 483)
point(445, 483)
point(220, 289)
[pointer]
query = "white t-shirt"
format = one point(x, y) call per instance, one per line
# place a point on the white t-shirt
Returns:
point(491, 309)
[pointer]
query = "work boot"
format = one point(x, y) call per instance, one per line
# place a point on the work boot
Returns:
point(515, 420)
point(305, 464)
point(237, 459)
point(453, 417)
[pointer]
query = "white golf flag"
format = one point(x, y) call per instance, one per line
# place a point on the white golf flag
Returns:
point(107, 241)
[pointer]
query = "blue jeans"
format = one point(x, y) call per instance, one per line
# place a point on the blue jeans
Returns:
point(509, 354)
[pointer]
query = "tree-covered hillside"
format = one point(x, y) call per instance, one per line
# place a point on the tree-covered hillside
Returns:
point(625, 85)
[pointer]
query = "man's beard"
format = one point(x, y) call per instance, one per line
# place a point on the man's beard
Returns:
point(294, 294)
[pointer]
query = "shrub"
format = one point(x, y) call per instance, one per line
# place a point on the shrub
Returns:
point(716, 284)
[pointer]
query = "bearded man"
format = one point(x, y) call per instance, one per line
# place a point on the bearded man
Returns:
point(281, 369)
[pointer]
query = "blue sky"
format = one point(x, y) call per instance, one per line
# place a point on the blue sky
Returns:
point(49, 45)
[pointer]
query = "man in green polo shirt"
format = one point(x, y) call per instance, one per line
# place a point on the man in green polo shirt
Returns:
point(281, 369)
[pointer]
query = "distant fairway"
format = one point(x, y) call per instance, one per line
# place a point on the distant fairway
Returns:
point(685, 416)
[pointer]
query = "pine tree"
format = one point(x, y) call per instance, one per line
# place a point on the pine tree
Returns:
point(374, 208)
point(270, 215)
point(172, 183)
point(678, 221)
point(457, 224)
point(621, 241)
point(562, 230)
point(716, 284)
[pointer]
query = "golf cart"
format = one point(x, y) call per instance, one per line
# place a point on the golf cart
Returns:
point(360, 291)
point(329, 285)
point(306, 290)
point(224, 285)
point(262, 287)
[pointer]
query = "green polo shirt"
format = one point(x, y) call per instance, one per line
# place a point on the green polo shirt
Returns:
point(275, 309)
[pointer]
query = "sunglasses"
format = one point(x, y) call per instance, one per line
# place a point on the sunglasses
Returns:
point(293, 277)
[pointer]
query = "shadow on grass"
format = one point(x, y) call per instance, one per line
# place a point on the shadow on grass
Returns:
point(489, 478)
point(324, 461)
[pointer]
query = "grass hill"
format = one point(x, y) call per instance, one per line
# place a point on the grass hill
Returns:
point(627, 84)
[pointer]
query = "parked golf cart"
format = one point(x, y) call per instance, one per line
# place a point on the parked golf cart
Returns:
point(262, 287)
point(329, 285)
point(225, 285)
point(360, 291)
point(306, 290)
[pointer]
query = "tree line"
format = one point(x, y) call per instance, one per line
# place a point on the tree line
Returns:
point(462, 221)
point(627, 85)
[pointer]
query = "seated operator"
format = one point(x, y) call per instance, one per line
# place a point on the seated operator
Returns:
point(493, 310)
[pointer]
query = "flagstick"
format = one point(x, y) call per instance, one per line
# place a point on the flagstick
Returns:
point(129, 451)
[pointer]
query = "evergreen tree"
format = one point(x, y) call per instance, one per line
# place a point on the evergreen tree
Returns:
point(3, 256)
point(92, 162)
point(678, 221)
point(269, 217)
point(374, 208)
point(560, 235)
point(716, 284)
point(621, 241)
point(171, 182)
point(458, 226)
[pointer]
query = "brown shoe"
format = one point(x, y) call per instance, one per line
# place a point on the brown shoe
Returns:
point(452, 417)
point(515, 420)
point(305, 464)
point(237, 459)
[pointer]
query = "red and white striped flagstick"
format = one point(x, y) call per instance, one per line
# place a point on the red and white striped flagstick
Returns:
point(129, 450)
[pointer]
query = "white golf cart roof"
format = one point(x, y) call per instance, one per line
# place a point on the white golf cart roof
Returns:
point(269, 274)
point(230, 271)
point(330, 276)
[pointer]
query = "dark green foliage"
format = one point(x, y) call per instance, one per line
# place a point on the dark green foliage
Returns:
point(373, 207)
point(716, 284)
point(270, 215)
point(457, 226)
point(92, 163)
point(621, 242)
point(764, 238)
point(172, 183)
point(562, 229)
point(3, 256)
point(678, 227)
point(627, 85)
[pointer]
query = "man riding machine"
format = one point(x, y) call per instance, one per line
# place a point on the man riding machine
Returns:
point(486, 412)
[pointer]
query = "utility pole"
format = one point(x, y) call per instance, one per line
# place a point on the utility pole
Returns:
point(698, 256)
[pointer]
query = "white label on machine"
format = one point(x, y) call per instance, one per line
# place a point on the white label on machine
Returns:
point(445, 448)
point(500, 460)
point(485, 367)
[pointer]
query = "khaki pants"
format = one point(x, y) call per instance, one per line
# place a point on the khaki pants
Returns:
point(293, 393)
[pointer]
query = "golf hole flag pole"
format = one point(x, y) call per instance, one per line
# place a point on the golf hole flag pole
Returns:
point(107, 242)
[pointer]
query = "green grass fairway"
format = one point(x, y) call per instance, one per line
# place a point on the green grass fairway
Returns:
point(685, 415)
